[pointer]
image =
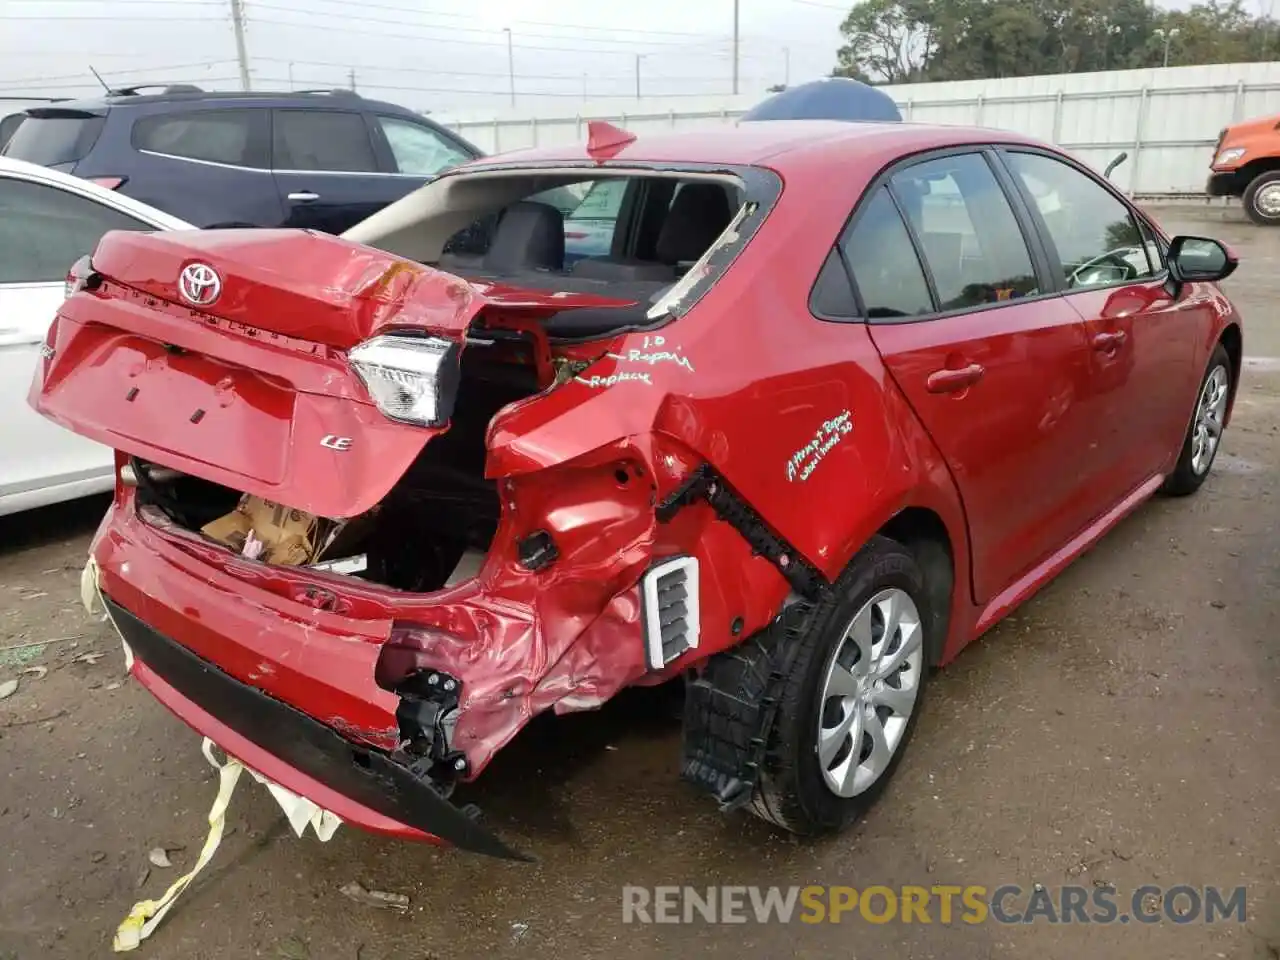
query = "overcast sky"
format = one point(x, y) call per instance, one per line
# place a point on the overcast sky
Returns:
point(439, 55)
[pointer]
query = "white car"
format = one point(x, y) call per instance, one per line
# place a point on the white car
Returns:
point(48, 221)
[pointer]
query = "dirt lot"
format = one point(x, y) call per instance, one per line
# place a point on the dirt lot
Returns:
point(1123, 728)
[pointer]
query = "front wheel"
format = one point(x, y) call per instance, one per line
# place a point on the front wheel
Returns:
point(1205, 433)
point(1262, 199)
point(854, 682)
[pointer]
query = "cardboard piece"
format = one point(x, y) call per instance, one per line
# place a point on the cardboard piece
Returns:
point(262, 530)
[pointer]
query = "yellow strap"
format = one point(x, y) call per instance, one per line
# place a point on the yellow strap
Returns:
point(146, 915)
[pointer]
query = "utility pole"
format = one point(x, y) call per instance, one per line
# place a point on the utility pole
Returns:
point(637, 76)
point(242, 53)
point(735, 46)
point(351, 77)
point(290, 74)
point(511, 65)
point(1167, 36)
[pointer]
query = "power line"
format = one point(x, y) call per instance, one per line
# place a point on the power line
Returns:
point(114, 73)
point(168, 3)
point(494, 93)
point(420, 39)
point(80, 19)
point(448, 31)
point(574, 77)
point(400, 8)
point(16, 93)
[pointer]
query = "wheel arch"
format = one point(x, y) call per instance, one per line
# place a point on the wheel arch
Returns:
point(1254, 168)
point(923, 532)
point(1232, 341)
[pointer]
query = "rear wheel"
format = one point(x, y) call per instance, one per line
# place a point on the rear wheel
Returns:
point(854, 682)
point(1262, 199)
point(1205, 433)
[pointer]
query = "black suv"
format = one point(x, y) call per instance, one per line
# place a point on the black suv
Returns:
point(323, 159)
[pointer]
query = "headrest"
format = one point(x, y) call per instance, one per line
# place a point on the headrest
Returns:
point(530, 236)
point(698, 215)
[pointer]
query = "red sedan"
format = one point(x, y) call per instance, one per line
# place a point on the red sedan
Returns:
point(838, 399)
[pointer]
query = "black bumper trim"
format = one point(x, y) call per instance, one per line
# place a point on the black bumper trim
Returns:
point(367, 776)
point(1223, 183)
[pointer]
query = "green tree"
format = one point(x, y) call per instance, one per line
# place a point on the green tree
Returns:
point(886, 40)
point(898, 41)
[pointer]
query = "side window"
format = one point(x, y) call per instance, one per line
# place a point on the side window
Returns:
point(970, 236)
point(327, 140)
point(43, 231)
point(218, 136)
point(1156, 247)
point(602, 202)
point(1096, 239)
point(832, 295)
point(884, 263)
point(418, 149)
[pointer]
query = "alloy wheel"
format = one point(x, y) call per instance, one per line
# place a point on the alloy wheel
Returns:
point(1210, 413)
point(869, 692)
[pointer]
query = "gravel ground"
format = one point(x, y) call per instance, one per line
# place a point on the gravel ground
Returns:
point(1121, 728)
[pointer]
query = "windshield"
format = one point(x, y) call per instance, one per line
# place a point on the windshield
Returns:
point(50, 141)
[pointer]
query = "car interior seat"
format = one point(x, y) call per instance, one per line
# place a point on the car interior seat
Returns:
point(530, 236)
point(698, 215)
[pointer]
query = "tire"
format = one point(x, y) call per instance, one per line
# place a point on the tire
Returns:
point(1262, 199)
point(1193, 467)
point(793, 791)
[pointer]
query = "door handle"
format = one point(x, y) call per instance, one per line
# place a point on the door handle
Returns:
point(953, 381)
point(304, 196)
point(1107, 342)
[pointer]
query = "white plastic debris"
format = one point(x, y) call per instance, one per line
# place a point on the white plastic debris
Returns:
point(147, 915)
point(8, 689)
point(375, 898)
point(159, 857)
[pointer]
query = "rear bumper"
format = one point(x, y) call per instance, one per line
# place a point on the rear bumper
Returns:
point(363, 786)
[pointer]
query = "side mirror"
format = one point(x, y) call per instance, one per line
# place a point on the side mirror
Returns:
point(1200, 259)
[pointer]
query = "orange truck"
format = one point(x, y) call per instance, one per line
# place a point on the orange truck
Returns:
point(1246, 164)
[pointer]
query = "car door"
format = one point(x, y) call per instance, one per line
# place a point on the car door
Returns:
point(1143, 341)
point(43, 231)
point(326, 170)
point(952, 281)
point(209, 166)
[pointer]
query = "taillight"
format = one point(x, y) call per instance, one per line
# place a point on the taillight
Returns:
point(411, 379)
point(81, 276)
point(109, 183)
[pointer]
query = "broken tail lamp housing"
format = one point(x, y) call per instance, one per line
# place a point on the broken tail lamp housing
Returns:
point(410, 379)
point(81, 276)
point(670, 610)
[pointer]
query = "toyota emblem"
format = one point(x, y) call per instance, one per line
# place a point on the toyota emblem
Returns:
point(199, 284)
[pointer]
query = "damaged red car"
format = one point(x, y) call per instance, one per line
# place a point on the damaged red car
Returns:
point(837, 399)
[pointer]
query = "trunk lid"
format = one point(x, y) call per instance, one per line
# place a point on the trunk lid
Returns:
point(252, 390)
point(309, 286)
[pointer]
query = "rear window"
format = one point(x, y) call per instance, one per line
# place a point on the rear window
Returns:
point(53, 140)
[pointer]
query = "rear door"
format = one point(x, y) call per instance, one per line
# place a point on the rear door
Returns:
point(327, 171)
point(953, 283)
point(43, 231)
point(1144, 343)
point(207, 166)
